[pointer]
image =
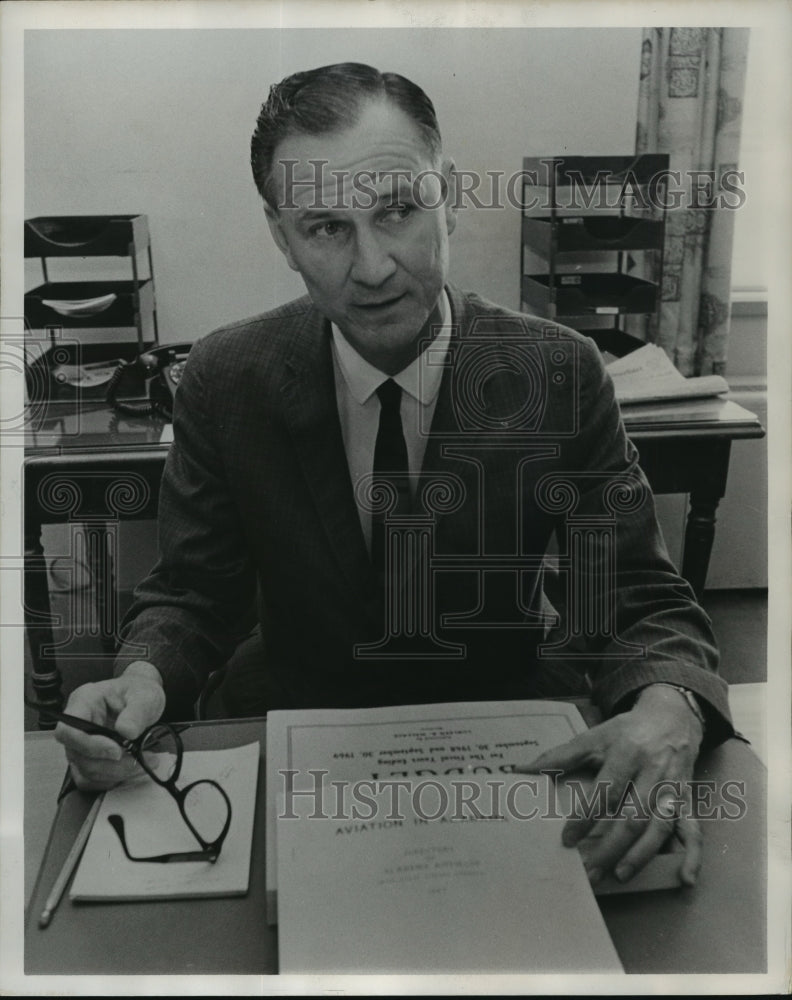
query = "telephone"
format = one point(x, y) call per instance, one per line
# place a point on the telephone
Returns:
point(157, 372)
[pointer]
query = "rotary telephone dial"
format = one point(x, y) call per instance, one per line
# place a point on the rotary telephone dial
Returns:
point(157, 371)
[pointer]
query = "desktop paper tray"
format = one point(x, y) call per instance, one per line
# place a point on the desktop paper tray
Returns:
point(130, 299)
point(588, 294)
point(591, 232)
point(85, 235)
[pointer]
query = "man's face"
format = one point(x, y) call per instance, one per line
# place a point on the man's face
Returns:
point(371, 246)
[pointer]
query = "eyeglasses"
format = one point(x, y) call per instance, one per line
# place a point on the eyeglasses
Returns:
point(203, 804)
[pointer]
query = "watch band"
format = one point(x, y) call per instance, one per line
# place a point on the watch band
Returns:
point(689, 697)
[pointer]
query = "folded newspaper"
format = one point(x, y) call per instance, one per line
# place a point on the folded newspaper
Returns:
point(648, 376)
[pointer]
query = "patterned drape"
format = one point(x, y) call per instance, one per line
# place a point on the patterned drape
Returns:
point(690, 106)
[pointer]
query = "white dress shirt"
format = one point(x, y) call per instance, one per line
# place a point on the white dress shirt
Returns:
point(357, 382)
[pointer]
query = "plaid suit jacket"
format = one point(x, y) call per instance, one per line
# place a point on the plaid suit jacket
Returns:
point(258, 521)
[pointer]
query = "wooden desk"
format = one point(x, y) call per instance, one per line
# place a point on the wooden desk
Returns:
point(717, 927)
point(685, 448)
point(93, 468)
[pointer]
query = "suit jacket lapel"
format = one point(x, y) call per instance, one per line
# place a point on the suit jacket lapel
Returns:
point(461, 444)
point(444, 424)
point(312, 415)
point(439, 458)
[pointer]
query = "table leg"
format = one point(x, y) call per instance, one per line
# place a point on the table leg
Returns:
point(699, 536)
point(38, 622)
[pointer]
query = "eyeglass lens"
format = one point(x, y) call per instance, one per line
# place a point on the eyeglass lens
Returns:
point(206, 810)
point(161, 753)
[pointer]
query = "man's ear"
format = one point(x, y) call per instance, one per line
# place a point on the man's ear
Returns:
point(276, 228)
point(448, 171)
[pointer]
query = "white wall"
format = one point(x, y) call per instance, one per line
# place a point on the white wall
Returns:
point(160, 122)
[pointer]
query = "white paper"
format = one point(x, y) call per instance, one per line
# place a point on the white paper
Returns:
point(443, 896)
point(648, 374)
point(417, 740)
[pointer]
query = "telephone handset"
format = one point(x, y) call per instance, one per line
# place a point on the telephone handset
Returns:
point(158, 372)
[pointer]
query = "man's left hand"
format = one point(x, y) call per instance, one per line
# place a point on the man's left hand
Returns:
point(653, 745)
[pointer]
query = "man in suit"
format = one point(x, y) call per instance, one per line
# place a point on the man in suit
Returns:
point(377, 469)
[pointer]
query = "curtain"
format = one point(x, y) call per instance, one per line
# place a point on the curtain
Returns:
point(690, 106)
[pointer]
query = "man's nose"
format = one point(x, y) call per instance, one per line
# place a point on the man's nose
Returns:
point(373, 262)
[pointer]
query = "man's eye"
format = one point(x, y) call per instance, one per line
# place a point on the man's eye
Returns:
point(398, 213)
point(327, 230)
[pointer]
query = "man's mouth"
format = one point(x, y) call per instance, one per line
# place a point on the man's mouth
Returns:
point(380, 305)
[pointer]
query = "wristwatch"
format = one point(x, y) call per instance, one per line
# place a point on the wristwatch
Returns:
point(689, 697)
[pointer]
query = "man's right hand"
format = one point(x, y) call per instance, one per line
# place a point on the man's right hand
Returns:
point(128, 704)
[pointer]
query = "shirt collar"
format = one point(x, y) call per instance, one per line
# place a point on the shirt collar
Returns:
point(421, 379)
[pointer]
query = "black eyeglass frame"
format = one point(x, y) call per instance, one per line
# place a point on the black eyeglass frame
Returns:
point(210, 850)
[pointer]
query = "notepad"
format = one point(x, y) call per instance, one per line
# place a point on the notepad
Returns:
point(154, 825)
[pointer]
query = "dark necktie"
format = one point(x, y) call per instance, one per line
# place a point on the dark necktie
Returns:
point(390, 465)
